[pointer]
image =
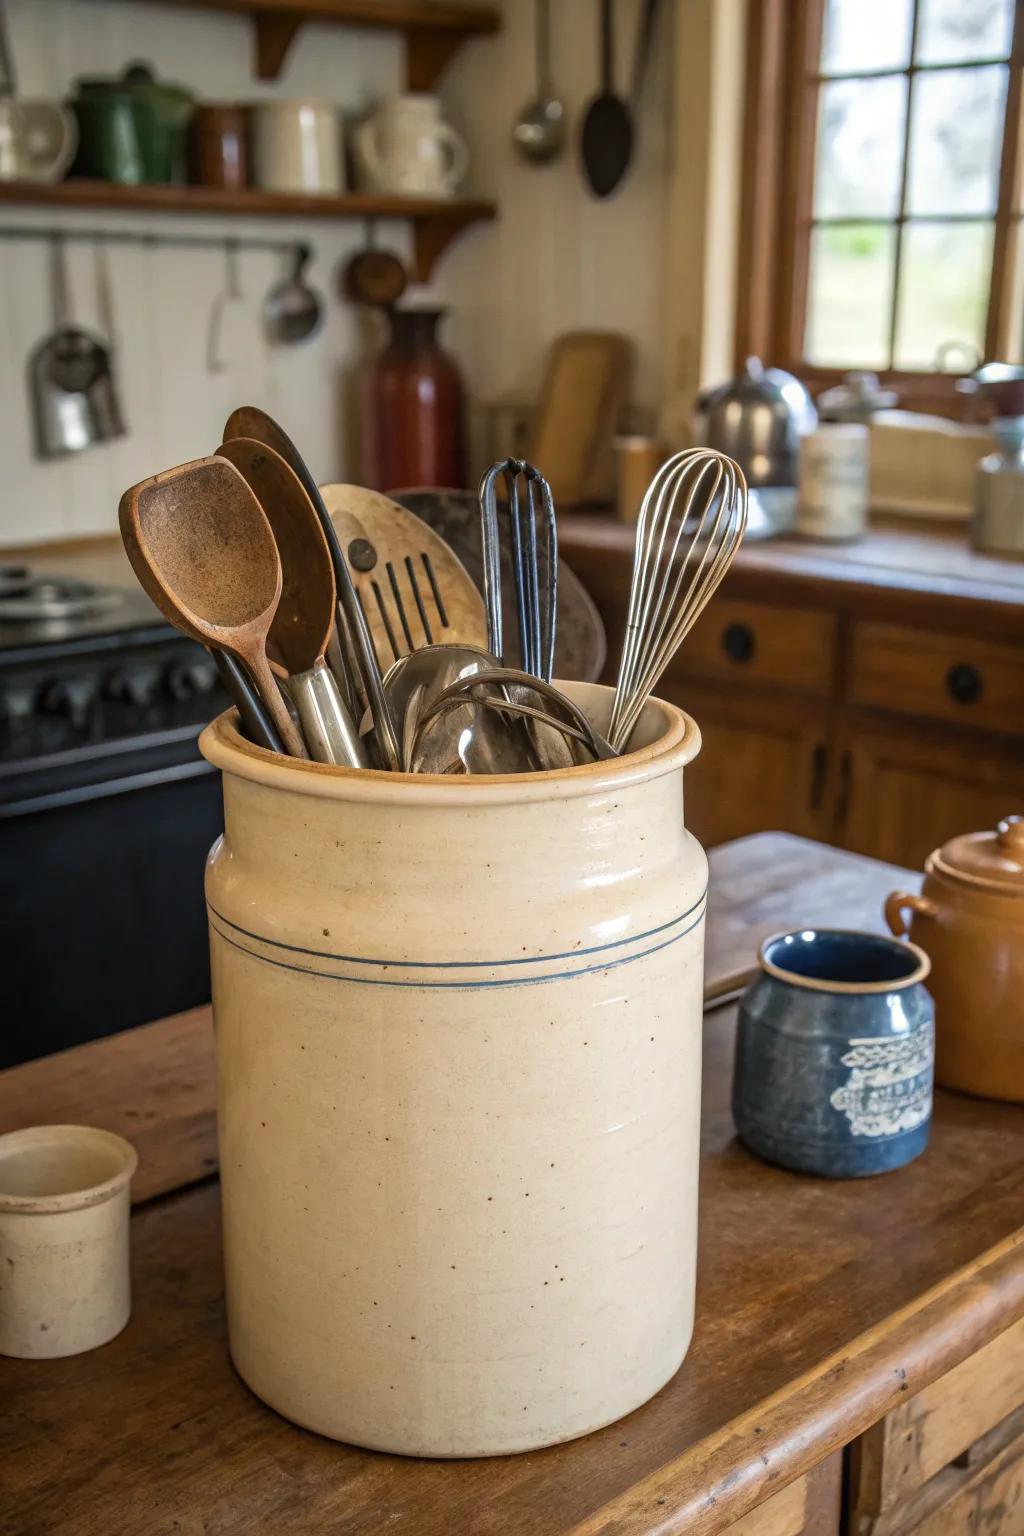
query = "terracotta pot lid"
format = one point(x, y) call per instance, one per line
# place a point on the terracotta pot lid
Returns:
point(992, 859)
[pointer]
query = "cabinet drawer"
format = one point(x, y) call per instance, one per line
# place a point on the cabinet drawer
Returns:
point(922, 1437)
point(945, 677)
point(792, 647)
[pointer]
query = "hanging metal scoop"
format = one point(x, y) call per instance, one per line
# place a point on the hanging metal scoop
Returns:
point(71, 378)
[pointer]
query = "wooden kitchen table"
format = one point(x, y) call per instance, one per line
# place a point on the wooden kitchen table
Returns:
point(885, 1315)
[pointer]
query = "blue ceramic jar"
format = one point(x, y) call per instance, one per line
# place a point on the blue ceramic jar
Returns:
point(834, 1054)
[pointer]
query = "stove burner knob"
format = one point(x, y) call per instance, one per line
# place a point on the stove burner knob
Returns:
point(191, 679)
point(135, 685)
point(70, 698)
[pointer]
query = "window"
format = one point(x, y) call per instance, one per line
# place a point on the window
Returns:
point(884, 138)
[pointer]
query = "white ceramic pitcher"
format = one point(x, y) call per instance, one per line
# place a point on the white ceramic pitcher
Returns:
point(459, 1045)
point(406, 147)
point(38, 139)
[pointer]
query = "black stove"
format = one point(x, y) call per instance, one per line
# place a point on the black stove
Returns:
point(106, 811)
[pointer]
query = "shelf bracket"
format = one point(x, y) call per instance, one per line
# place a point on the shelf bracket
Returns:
point(274, 34)
point(432, 235)
point(426, 54)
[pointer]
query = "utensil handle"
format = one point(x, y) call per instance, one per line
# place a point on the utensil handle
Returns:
point(327, 725)
point(358, 629)
point(898, 904)
point(256, 722)
point(607, 46)
point(643, 47)
point(542, 42)
point(59, 283)
point(274, 704)
point(104, 297)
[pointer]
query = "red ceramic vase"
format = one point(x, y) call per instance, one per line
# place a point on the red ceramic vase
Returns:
point(412, 408)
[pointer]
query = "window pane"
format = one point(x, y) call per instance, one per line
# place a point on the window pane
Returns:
point(850, 295)
point(950, 31)
point(944, 280)
point(860, 143)
point(956, 137)
point(866, 34)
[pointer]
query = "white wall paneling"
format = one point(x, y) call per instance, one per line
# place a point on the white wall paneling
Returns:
point(555, 260)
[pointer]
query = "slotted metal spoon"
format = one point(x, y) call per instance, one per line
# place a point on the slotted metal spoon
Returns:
point(412, 588)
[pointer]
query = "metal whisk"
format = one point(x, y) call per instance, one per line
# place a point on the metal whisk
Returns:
point(691, 522)
point(535, 609)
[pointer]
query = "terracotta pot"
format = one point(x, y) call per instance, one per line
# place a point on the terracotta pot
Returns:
point(969, 919)
point(459, 1041)
point(64, 1209)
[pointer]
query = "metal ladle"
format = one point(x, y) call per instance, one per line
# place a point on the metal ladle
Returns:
point(539, 130)
point(292, 310)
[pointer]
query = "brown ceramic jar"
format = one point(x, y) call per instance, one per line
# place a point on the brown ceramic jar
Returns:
point(969, 919)
point(218, 146)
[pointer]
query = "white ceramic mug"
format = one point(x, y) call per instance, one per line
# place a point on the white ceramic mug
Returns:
point(38, 139)
point(64, 1209)
point(405, 146)
point(296, 147)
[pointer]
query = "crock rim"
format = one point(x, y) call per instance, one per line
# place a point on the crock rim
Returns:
point(223, 745)
point(71, 1199)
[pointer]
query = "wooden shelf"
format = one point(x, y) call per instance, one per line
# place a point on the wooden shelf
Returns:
point(435, 223)
point(433, 33)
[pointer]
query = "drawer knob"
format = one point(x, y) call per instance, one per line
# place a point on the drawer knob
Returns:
point(739, 642)
point(963, 683)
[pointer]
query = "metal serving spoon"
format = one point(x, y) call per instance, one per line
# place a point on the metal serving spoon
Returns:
point(539, 130)
point(292, 310)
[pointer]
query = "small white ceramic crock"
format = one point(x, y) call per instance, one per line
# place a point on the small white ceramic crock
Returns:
point(64, 1212)
point(459, 1041)
point(297, 146)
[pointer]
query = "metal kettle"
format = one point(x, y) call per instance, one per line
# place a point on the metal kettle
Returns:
point(758, 419)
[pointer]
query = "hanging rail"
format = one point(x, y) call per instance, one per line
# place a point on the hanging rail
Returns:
point(137, 237)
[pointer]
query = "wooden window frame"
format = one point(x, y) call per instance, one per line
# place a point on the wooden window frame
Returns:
point(779, 134)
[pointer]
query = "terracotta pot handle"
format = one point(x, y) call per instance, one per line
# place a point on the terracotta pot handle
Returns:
point(895, 911)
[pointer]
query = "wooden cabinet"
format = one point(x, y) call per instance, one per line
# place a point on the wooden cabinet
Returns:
point(808, 1506)
point(763, 763)
point(950, 1461)
point(900, 792)
point(841, 697)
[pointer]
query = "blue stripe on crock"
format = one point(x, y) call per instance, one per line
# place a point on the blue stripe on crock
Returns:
point(468, 986)
point(456, 965)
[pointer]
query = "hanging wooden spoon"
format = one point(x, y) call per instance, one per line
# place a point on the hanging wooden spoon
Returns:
point(305, 616)
point(212, 566)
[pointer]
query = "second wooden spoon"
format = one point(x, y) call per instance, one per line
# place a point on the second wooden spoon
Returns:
point(304, 620)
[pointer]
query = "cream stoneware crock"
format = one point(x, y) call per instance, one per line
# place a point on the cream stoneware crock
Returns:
point(65, 1197)
point(459, 1043)
point(969, 918)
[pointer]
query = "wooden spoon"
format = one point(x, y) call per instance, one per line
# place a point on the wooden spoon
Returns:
point(304, 620)
point(305, 614)
point(212, 566)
